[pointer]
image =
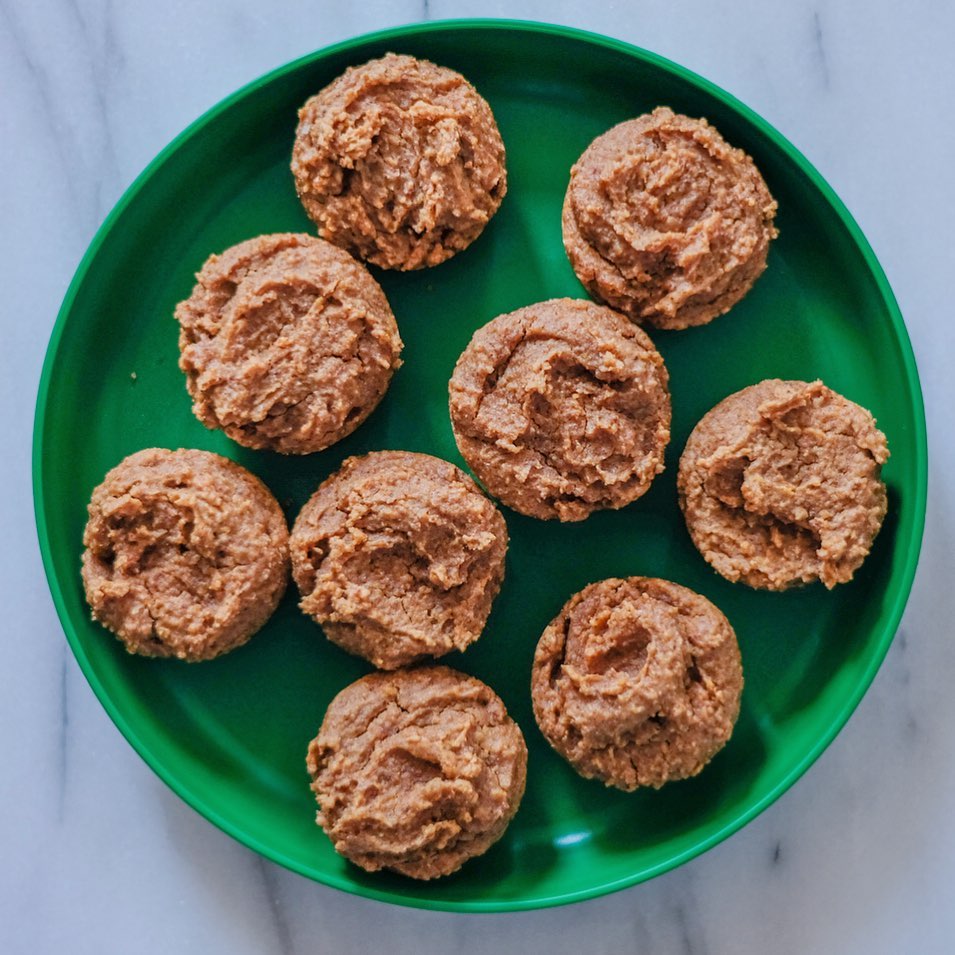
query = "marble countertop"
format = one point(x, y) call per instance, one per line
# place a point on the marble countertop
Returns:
point(99, 856)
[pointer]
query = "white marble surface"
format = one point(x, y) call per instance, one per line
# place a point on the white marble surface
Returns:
point(98, 856)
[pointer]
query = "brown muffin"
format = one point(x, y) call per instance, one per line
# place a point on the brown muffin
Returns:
point(561, 408)
point(666, 222)
point(287, 343)
point(399, 556)
point(186, 554)
point(637, 682)
point(416, 771)
point(779, 485)
point(399, 161)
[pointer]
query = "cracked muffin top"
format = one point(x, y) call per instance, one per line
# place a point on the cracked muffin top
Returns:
point(186, 554)
point(417, 771)
point(561, 408)
point(287, 343)
point(399, 556)
point(667, 222)
point(637, 682)
point(400, 162)
point(780, 485)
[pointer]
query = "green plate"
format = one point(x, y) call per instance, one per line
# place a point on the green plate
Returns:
point(230, 736)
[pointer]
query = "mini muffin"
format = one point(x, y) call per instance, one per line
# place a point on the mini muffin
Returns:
point(780, 486)
point(416, 771)
point(186, 554)
point(399, 161)
point(399, 556)
point(637, 682)
point(666, 222)
point(561, 409)
point(287, 343)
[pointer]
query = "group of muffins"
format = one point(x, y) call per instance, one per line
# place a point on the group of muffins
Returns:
point(560, 408)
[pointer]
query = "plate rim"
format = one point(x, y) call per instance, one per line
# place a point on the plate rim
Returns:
point(913, 546)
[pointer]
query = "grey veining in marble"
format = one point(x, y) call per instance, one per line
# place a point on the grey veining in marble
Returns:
point(99, 857)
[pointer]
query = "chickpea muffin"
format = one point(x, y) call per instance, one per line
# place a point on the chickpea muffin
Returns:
point(186, 554)
point(400, 162)
point(561, 408)
point(287, 343)
point(666, 222)
point(780, 485)
point(417, 771)
point(637, 682)
point(399, 556)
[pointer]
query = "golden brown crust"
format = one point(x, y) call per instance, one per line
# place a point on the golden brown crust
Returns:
point(417, 771)
point(780, 486)
point(637, 682)
point(666, 222)
point(399, 161)
point(399, 557)
point(287, 343)
point(186, 554)
point(561, 408)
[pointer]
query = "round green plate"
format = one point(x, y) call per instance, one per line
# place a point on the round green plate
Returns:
point(230, 736)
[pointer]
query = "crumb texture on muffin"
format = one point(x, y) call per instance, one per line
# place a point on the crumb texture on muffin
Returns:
point(287, 343)
point(416, 771)
point(666, 222)
point(399, 161)
point(780, 485)
point(561, 408)
point(399, 557)
point(637, 682)
point(186, 554)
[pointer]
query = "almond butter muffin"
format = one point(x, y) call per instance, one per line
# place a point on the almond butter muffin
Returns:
point(637, 682)
point(561, 408)
point(780, 485)
point(398, 556)
point(287, 343)
point(666, 222)
point(416, 771)
point(399, 161)
point(186, 554)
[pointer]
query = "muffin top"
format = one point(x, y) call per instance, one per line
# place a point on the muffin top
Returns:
point(561, 408)
point(417, 771)
point(287, 343)
point(665, 221)
point(399, 161)
point(637, 682)
point(780, 485)
point(186, 553)
point(399, 556)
